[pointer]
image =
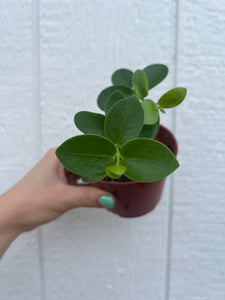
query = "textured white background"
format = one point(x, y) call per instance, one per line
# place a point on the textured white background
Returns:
point(55, 57)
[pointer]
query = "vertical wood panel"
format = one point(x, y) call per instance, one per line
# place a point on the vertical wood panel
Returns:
point(90, 253)
point(19, 268)
point(198, 260)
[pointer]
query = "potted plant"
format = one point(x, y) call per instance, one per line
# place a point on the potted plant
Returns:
point(125, 150)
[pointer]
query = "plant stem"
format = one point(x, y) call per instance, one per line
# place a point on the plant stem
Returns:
point(117, 155)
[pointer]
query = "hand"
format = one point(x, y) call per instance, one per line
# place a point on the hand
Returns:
point(44, 194)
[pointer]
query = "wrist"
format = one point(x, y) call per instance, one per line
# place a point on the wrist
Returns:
point(8, 216)
point(7, 236)
point(8, 228)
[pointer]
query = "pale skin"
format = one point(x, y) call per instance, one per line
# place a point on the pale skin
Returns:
point(44, 194)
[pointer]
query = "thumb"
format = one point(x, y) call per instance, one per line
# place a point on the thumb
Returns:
point(87, 196)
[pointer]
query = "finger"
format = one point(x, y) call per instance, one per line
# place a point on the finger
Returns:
point(86, 196)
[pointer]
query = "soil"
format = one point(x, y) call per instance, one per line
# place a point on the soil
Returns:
point(121, 179)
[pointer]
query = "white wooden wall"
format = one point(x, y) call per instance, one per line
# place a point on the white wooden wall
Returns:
point(55, 57)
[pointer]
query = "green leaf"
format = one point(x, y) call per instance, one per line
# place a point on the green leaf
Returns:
point(122, 77)
point(172, 98)
point(124, 120)
point(87, 155)
point(140, 83)
point(150, 131)
point(151, 112)
point(115, 171)
point(106, 93)
point(89, 122)
point(161, 109)
point(155, 74)
point(147, 160)
point(115, 96)
point(93, 179)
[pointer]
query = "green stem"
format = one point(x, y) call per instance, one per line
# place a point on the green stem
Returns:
point(117, 155)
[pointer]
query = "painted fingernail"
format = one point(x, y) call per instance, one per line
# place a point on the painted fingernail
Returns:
point(106, 201)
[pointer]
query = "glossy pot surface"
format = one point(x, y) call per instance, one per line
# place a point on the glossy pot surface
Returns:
point(135, 199)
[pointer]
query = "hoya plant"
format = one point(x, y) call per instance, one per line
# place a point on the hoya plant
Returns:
point(121, 141)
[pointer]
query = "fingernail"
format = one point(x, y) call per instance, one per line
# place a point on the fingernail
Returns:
point(106, 201)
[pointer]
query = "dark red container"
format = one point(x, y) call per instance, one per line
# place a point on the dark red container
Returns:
point(134, 199)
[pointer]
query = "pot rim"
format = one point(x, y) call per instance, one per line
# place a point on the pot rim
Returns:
point(134, 182)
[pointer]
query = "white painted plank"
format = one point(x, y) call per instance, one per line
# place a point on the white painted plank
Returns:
point(16, 81)
point(198, 260)
point(89, 253)
point(19, 268)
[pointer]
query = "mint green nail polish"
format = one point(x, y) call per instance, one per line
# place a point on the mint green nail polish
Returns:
point(106, 201)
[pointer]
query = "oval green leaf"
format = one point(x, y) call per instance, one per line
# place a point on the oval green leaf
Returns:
point(151, 113)
point(115, 97)
point(106, 93)
point(124, 120)
point(87, 155)
point(155, 74)
point(122, 77)
point(140, 83)
point(89, 122)
point(147, 160)
point(93, 179)
point(150, 131)
point(115, 171)
point(172, 98)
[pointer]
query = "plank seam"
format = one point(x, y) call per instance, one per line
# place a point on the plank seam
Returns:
point(37, 120)
point(171, 198)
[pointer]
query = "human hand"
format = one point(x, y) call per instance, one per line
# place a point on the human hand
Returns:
point(45, 193)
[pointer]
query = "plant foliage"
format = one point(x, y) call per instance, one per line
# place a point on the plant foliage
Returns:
point(122, 140)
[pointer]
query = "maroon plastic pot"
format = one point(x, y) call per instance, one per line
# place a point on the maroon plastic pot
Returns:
point(135, 198)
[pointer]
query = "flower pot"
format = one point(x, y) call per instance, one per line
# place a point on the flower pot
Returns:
point(135, 198)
